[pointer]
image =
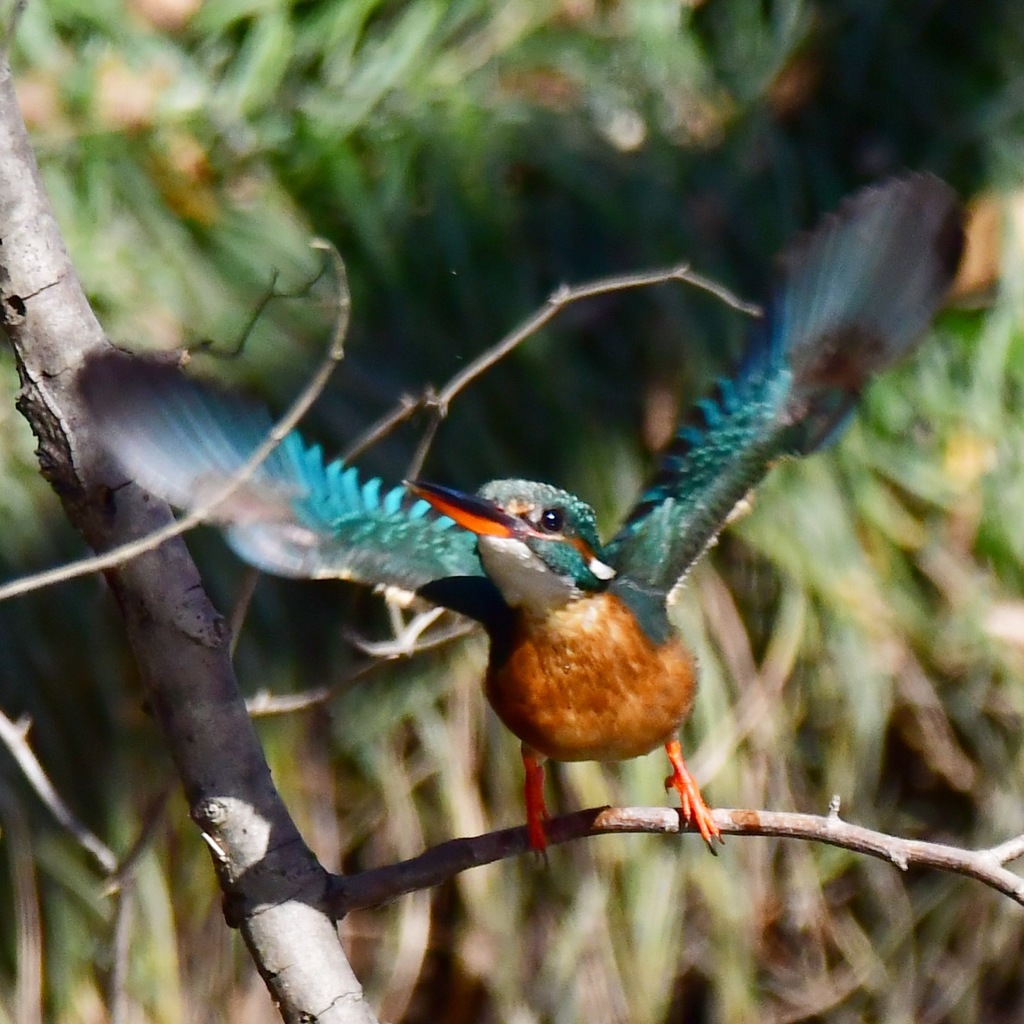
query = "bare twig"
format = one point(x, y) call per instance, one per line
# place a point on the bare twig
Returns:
point(264, 704)
point(1008, 852)
point(559, 300)
point(407, 407)
point(14, 736)
point(566, 296)
point(439, 401)
point(284, 426)
point(371, 888)
point(412, 636)
point(237, 347)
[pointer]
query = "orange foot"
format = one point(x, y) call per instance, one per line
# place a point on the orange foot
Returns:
point(695, 811)
point(536, 811)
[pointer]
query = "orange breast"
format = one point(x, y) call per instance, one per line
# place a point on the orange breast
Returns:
point(584, 683)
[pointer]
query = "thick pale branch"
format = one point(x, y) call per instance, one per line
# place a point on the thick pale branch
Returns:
point(273, 884)
point(436, 865)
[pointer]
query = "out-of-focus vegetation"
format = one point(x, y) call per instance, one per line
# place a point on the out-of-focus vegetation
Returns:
point(861, 633)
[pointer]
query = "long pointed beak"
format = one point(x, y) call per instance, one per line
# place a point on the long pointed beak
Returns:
point(471, 512)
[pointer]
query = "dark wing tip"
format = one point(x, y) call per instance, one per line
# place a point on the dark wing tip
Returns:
point(124, 389)
point(934, 201)
point(113, 374)
point(950, 240)
point(925, 195)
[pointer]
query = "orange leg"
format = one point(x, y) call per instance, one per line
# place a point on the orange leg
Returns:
point(695, 811)
point(536, 811)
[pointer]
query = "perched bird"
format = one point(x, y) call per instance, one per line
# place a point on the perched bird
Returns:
point(584, 663)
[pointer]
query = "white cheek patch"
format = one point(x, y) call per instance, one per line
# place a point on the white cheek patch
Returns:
point(523, 579)
point(601, 570)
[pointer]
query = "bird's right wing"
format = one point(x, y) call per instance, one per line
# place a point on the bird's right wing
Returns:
point(182, 440)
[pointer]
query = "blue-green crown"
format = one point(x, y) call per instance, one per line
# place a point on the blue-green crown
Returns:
point(541, 505)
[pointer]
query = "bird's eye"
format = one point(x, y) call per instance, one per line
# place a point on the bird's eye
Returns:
point(551, 519)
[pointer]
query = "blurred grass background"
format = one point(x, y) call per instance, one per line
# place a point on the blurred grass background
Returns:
point(860, 633)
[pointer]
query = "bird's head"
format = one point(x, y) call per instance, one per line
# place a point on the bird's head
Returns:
point(538, 544)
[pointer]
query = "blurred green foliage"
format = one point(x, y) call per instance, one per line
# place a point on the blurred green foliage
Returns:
point(861, 633)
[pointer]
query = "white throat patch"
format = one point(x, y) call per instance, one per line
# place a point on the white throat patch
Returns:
point(523, 579)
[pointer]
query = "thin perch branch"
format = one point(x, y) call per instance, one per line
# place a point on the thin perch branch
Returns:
point(438, 864)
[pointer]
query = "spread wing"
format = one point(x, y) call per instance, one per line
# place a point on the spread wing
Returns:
point(852, 298)
point(297, 515)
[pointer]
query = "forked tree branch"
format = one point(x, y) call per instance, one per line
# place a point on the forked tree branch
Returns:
point(438, 402)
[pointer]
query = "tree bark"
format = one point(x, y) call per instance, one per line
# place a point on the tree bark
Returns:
point(274, 889)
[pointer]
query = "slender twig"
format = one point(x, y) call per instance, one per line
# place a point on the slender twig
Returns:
point(264, 704)
point(566, 296)
point(559, 300)
point(412, 637)
point(439, 401)
point(437, 865)
point(407, 407)
point(389, 650)
point(202, 512)
point(14, 736)
point(1008, 852)
point(237, 347)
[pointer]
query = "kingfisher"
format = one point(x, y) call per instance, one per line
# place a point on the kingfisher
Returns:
point(584, 663)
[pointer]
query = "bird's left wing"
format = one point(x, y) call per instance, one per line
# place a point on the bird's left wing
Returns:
point(296, 515)
point(853, 297)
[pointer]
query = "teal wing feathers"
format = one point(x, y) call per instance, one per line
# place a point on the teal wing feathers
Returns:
point(297, 515)
point(852, 298)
